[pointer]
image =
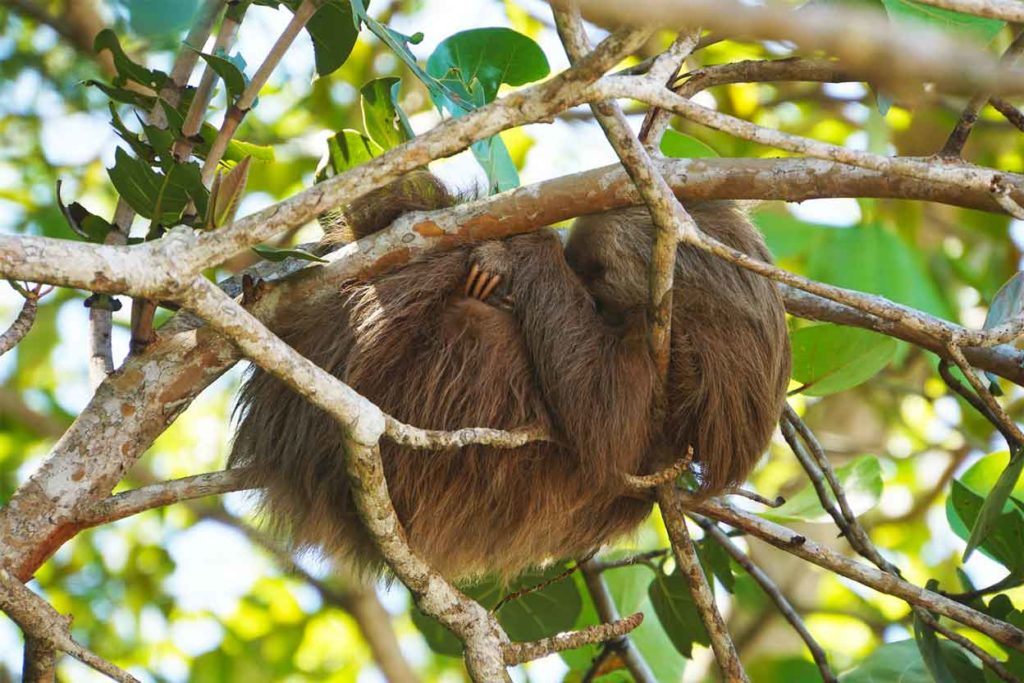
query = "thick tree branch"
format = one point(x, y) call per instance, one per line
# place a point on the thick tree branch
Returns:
point(866, 41)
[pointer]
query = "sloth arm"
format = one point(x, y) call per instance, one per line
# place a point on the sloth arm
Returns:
point(597, 381)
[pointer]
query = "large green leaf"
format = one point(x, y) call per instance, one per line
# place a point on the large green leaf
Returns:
point(383, 119)
point(334, 33)
point(956, 23)
point(787, 236)
point(468, 68)
point(831, 358)
point(1004, 539)
point(485, 58)
point(901, 661)
point(861, 480)
point(677, 612)
point(872, 259)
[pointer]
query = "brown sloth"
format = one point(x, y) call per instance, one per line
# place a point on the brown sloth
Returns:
point(515, 333)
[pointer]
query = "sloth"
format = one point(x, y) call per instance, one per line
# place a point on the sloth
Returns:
point(520, 332)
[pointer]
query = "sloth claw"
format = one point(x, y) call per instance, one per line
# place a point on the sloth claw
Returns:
point(480, 284)
point(471, 280)
point(489, 287)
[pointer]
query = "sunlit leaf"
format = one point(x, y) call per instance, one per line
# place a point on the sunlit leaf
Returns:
point(681, 146)
point(1004, 540)
point(334, 33)
point(861, 479)
point(485, 58)
point(995, 501)
point(831, 358)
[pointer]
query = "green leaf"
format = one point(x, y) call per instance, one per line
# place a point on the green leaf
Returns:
point(537, 614)
point(127, 70)
point(787, 236)
point(383, 119)
point(1004, 541)
point(629, 590)
point(677, 612)
point(346, 149)
point(150, 18)
point(236, 151)
point(83, 222)
point(276, 255)
point(861, 479)
point(334, 34)
point(226, 193)
point(956, 24)
point(123, 95)
point(680, 146)
point(1006, 305)
point(995, 501)
point(930, 649)
point(465, 72)
point(716, 561)
point(829, 358)
point(229, 71)
point(486, 58)
point(901, 661)
point(158, 196)
point(871, 259)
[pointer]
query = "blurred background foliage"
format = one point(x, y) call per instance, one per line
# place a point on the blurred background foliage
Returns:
point(184, 593)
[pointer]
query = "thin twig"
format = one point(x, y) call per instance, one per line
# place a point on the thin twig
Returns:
point(26, 316)
point(704, 599)
point(239, 109)
point(777, 501)
point(995, 411)
point(986, 658)
point(40, 620)
point(774, 593)
point(517, 653)
point(1010, 112)
point(604, 604)
point(958, 137)
point(600, 565)
point(666, 67)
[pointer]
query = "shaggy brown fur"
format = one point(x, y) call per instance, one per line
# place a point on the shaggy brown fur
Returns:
point(571, 357)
